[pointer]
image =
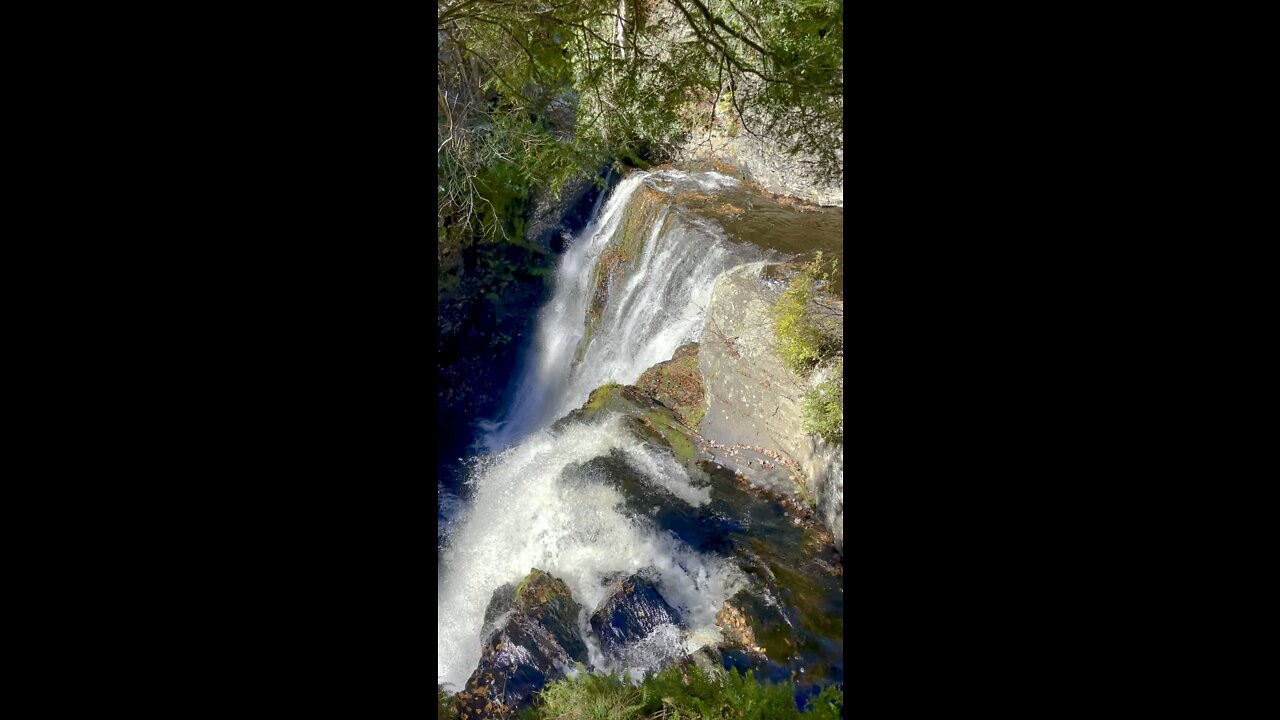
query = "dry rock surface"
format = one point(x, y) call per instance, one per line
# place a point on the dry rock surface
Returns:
point(753, 401)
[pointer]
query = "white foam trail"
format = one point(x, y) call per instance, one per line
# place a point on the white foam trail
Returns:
point(527, 512)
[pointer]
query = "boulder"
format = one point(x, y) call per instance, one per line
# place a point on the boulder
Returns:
point(677, 385)
point(787, 618)
point(633, 611)
point(537, 643)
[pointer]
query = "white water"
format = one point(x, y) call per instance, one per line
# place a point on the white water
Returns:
point(658, 308)
point(525, 511)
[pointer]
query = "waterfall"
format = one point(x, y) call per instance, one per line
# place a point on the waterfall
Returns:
point(629, 290)
point(657, 306)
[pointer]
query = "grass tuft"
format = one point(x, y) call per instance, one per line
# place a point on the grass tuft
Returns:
point(678, 693)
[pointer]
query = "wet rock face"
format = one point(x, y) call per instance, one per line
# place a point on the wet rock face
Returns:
point(488, 307)
point(625, 250)
point(633, 611)
point(553, 218)
point(786, 624)
point(536, 645)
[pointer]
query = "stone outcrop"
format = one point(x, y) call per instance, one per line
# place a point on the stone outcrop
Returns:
point(677, 384)
point(533, 640)
point(788, 618)
point(552, 218)
point(754, 401)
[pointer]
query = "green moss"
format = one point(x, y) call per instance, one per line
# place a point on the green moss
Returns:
point(675, 435)
point(532, 574)
point(695, 416)
point(600, 396)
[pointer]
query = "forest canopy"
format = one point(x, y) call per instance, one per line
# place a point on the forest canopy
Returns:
point(532, 93)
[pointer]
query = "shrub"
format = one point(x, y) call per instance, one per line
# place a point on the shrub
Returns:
point(807, 339)
point(823, 407)
point(803, 341)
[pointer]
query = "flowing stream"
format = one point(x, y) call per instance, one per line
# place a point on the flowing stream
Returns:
point(533, 498)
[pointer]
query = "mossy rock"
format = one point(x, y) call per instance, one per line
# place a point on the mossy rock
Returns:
point(538, 644)
point(677, 385)
point(676, 381)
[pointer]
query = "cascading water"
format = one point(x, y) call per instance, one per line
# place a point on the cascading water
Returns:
point(531, 510)
point(659, 307)
point(530, 504)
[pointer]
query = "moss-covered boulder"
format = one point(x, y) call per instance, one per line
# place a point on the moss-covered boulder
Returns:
point(537, 643)
point(786, 624)
point(649, 418)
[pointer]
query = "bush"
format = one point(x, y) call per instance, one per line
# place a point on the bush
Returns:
point(807, 339)
point(823, 407)
point(803, 341)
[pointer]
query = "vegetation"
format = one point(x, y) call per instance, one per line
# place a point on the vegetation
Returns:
point(807, 335)
point(446, 705)
point(600, 396)
point(823, 407)
point(532, 93)
point(810, 335)
point(677, 693)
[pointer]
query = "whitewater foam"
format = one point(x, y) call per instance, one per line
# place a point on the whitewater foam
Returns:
point(528, 512)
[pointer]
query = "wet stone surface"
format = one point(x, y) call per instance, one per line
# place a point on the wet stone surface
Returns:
point(754, 402)
point(787, 625)
point(537, 644)
point(631, 613)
